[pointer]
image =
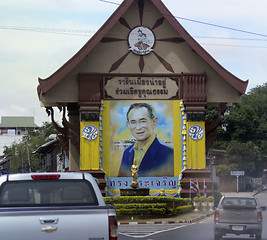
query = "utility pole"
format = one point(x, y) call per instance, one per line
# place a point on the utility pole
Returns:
point(28, 154)
point(21, 158)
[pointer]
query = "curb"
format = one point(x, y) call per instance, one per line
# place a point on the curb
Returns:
point(179, 221)
point(167, 222)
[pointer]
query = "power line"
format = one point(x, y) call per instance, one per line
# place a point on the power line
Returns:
point(231, 45)
point(86, 33)
point(110, 2)
point(232, 38)
point(205, 23)
point(219, 26)
point(50, 30)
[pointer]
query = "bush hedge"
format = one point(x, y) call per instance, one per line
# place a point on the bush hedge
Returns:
point(180, 210)
point(149, 205)
point(140, 206)
point(141, 212)
point(147, 199)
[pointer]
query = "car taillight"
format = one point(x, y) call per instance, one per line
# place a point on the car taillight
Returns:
point(259, 216)
point(216, 216)
point(113, 228)
point(45, 176)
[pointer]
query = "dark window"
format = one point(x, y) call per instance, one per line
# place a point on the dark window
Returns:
point(47, 193)
point(240, 202)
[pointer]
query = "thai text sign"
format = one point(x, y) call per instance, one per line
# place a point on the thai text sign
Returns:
point(145, 182)
point(140, 88)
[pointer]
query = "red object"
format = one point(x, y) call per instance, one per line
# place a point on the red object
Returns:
point(259, 216)
point(216, 216)
point(45, 177)
point(113, 228)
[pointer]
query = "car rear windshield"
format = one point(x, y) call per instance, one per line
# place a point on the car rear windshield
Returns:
point(239, 202)
point(47, 193)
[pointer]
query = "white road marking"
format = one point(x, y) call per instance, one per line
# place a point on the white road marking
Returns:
point(147, 230)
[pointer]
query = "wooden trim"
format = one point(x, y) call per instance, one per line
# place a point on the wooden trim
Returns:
point(124, 23)
point(164, 62)
point(172, 40)
point(118, 63)
point(108, 40)
point(158, 23)
point(194, 89)
point(90, 88)
point(141, 63)
point(141, 10)
point(191, 87)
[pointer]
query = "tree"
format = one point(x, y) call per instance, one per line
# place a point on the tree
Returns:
point(20, 154)
point(243, 133)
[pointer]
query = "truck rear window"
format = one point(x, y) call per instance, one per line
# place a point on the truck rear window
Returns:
point(239, 202)
point(47, 193)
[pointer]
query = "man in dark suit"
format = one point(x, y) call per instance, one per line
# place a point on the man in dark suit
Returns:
point(153, 158)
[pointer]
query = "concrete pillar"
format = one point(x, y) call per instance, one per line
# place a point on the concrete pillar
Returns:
point(74, 137)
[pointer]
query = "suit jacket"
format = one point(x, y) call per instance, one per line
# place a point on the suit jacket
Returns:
point(157, 161)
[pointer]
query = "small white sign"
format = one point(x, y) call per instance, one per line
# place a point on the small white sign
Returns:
point(237, 173)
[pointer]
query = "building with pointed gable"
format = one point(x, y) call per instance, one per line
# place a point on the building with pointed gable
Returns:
point(140, 55)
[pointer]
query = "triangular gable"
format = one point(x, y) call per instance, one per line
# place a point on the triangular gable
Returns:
point(48, 83)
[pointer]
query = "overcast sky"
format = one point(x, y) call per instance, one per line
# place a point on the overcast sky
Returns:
point(39, 36)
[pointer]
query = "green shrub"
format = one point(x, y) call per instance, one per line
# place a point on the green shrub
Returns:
point(184, 209)
point(180, 210)
point(196, 199)
point(146, 199)
point(140, 205)
point(141, 212)
point(203, 199)
point(210, 199)
point(149, 205)
point(171, 211)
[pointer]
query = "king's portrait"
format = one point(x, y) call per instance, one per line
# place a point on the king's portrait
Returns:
point(153, 157)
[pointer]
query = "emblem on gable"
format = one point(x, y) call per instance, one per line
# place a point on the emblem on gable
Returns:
point(141, 40)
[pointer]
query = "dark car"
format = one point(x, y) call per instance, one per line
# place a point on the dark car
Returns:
point(238, 215)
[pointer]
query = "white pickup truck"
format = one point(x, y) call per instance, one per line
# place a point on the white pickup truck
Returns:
point(58, 206)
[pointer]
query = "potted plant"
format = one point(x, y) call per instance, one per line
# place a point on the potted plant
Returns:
point(203, 201)
point(210, 199)
point(196, 202)
point(211, 202)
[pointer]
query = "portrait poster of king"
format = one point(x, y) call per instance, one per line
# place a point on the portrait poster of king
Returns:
point(141, 130)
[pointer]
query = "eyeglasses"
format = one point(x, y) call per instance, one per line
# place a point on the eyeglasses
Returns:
point(140, 123)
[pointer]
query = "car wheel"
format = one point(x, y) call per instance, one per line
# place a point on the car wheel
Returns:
point(258, 237)
point(217, 236)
